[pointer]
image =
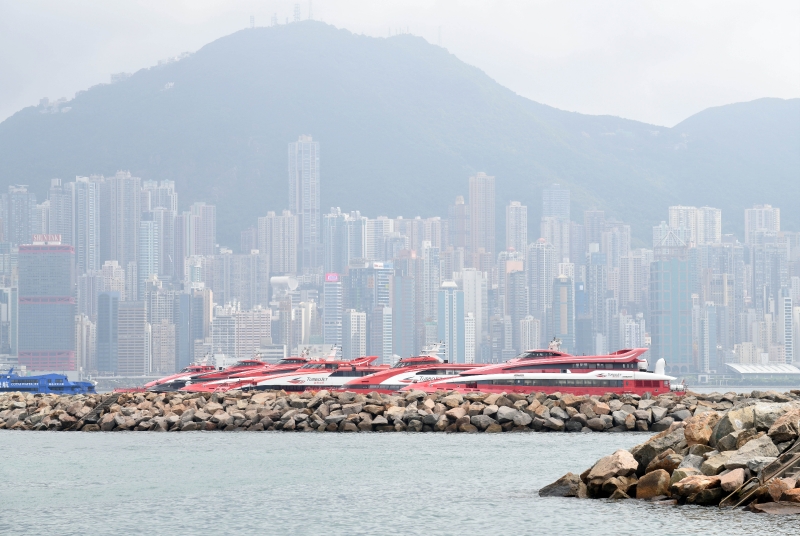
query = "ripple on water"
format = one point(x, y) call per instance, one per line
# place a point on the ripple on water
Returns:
point(190, 483)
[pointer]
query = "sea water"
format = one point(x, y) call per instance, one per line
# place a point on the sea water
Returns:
point(311, 483)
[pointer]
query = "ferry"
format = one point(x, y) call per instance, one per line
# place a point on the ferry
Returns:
point(321, 374)
point(56, 384)
point(247, 379)
point(423, 368)
point(211, 375)
point(551, 371)
point(192, 370)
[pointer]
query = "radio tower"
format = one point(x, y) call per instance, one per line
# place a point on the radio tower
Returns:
point(252, 22)
point(297, 12)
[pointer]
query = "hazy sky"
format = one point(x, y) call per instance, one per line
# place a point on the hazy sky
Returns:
point(658, 62)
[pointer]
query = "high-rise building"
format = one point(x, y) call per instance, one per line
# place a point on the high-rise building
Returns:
point(114, 278)
point(192, 322)
point(85, 343)
point(304, 198)
point(594, 223)
point(164, 220)
point(760, 218)
point(707, 331)
point(9, 320)
point(381, 333)
point(451, 322)
point(671, 313)
point(556, 203)
point(204, 233)
point(458, 224)
point(252, 328)
point(90, 285)
point(542, 268)
point(709, 225)
point(61, 212)
point(562, 324)
point(469, 338)
point(149, 253)
point(530, 330)
point(517, 303)
point(517, 226)
point(556, 232)
point(133, 341)
point(277, 238)
point(86, 205)
point(404, 315)
point(120, 213)
point(107, 331)
point(476, 303)
point(685, 219)
point(163, 347)
point(481, 217)
point(46, 305)
point(20, 214)
point(333, 308)
point(354, 334)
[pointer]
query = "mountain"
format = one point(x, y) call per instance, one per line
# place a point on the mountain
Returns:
point(401, 124)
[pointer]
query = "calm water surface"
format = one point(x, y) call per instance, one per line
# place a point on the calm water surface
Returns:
point(283, 483)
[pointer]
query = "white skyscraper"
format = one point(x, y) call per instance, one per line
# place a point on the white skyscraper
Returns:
point(529, 333)
point(354, 334)
point(709, 226)
point(469, 338)
point(681, 217)
point(763, 218)
point(304, 197)
point(517, 226)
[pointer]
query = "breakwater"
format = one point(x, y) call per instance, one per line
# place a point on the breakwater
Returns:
point(745, 455)
point(414, 411)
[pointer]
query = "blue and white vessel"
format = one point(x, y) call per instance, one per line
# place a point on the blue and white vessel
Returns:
point(56, 384)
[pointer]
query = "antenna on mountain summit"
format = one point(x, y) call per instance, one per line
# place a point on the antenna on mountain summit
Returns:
point(252, 21)
point(297, 12)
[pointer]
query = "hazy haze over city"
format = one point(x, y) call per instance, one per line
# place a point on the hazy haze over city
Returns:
point(657, 62)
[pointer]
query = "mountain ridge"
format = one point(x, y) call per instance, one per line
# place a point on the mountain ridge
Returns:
point(402, 124)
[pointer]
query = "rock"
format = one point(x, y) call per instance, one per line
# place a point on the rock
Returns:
point(683, 472)
point(681, 415)
point(662, 424)
point(691, 460)
point(494, 429)
point(699, 450)
point(90, 428)
point(600, 408)
point(506, 414)
point(481, 421)
point(756, 448)
point(467, 428)
point(765, 415)
point(729, 441)
point(778, 508)
point(653, 484)
point(667, 460)
point(715, 464)
point(456, 413)
point(569, 485)
point(786, 427)
point(554, 424)
point(671, 438)
point(757, 464)
point(694, 484)
point(453, 401)
point(522, 419)
point(621, 463)
point(791, 495)
point(658, 413)
point(698, 429)
point(630, 421)
point(596, 424)
point(559, 413)
point(350, 427)
point(350, 409)
point(189, 426)
point(735, 419)
point(619, 417)
point(732, 480)
point(334, 419)
point(707, 497)
point(777, 486)
point(414, 425)
point(643, 415)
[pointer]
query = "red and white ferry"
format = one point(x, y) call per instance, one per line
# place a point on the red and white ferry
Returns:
point(248, 378)
point(169, 382)
point(423, 368)
point(211, 375)
point(553, 371)
point(322, 374)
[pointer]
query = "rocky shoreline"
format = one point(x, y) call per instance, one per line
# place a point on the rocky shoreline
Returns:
point(746, 456)
point(414, 411)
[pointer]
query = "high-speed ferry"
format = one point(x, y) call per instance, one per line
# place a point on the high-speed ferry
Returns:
point(181, 377)
point(248, 378)
point(553, 371)
point(423, 368)
point(322, 374)
point(211, 375)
